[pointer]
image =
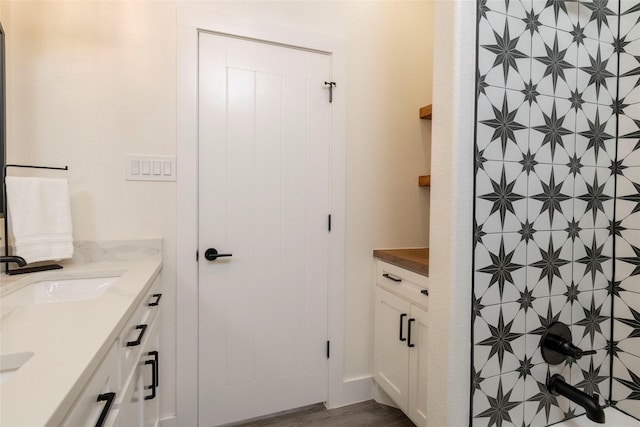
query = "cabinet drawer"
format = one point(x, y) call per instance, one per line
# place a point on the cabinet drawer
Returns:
point(87, 409)
point(137, 329)
point(403, 282)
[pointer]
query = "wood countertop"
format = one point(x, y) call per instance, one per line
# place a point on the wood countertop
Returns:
point(416, 260)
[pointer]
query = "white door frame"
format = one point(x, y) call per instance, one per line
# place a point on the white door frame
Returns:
point(190, 22)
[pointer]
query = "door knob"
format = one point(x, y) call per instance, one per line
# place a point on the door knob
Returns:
point(212, 254)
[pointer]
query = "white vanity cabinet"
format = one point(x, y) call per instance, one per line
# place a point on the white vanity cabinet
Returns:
point(400, 338)
point(123, 390)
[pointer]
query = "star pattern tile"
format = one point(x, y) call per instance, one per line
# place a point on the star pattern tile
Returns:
point(506, 52)
point(499, 407)
point(501, 268)
point(504, 124)
point(551, 197)
point(555, 190)
point(500, 339)
point(502, 197)
point(596, 135)
point(555, 62)
point(550, 263)
point(553, 130)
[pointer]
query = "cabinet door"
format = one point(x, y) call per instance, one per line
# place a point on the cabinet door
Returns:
point(391, 359)
point(418, 367)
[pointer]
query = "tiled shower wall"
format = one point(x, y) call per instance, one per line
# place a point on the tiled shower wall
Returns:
point(545, 188)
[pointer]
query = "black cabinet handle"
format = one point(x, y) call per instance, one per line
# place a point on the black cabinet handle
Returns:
point(402, 316)
point(154, 379)
point(109, 398)
point(212, 254)
point(409, 344)
point(155, 356)
point(390, 277)
point(156, 302)
point(143, 329)
point(425, 292)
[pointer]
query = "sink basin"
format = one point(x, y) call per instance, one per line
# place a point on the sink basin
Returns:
point(60, 290)
point(10, 363)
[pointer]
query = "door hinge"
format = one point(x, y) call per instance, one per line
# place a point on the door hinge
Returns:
point(329, 222)
point(328, 349)
point(197, 255)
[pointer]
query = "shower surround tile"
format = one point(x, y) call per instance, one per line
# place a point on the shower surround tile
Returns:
point(557, 194)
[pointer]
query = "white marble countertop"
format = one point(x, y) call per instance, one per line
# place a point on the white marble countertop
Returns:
point(68, 339)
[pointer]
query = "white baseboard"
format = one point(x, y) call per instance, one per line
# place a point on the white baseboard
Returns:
point(168, 422)
point(353, 391)
point(380, 396)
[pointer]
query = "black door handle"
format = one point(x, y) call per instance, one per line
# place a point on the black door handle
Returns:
point(409, 343)
point(402, 316)
point(154, 375)
point(157, 359)
point(212, 254)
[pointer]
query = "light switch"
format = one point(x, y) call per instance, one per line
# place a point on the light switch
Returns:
point(166, 167)
point(156, 167)
point(146, 167)
point(142, 167)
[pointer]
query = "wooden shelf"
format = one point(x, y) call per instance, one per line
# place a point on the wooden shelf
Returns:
point(424, 181)
point(425, 112)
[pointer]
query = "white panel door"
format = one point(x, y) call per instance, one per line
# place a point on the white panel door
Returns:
point(264, 142)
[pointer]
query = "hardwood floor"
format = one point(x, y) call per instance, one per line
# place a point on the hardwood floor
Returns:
point(369, 413)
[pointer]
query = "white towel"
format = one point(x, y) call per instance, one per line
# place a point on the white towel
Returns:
point(40, 218)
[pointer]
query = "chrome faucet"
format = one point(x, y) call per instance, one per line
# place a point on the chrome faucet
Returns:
point(13, 258)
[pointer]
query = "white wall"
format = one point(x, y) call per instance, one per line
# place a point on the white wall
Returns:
point(448, 367)
point(92, 81)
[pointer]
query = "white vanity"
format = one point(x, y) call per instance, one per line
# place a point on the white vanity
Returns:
point(79, 346)
point(400, 330)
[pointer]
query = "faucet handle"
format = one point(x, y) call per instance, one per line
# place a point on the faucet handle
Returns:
point(556, 345)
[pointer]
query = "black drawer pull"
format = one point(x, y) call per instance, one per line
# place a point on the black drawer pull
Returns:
point(409, 343)
point(425, 292)
point(156, 302)
point(154, 376)
point(390, 277)
point(402, 316)
point(109, 398)
point(143, 329)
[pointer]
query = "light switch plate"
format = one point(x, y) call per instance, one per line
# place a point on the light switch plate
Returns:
point(142, 167)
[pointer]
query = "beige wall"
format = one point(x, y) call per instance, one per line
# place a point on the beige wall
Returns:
point(91, 81)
